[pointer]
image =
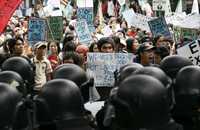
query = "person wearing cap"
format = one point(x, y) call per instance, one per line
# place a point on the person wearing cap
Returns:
point(43, 68)
point(146, 54)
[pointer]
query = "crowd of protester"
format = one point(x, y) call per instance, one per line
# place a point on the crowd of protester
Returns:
point(50, 85)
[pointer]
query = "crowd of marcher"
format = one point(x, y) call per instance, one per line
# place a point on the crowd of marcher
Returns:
point(44, 86)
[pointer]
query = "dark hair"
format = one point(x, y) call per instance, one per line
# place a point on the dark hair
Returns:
point(92, 46)
point(129, 43)
point(78, 60)
point(57, 44)
point(104, 40)
point(155, 40)
point(69, 46)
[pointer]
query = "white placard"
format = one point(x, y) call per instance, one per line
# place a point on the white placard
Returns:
point(191, 51)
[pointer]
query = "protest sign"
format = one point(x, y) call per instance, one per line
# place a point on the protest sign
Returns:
point(159, 5)
point(181, 33)
point(191, 51)
point(103, 66)
point(86, 13)
point(7, 8)
point(36, 30)
point(141, 21)
point(128, 15)
point(55, 28)
point(83, 32)
point(158, 26)
point(84, 3)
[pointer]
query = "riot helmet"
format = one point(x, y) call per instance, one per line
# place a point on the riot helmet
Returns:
point(156, 73)
point(172, 64)
point(141, 102)
point(187, 91)
point(127, 70)
point(22, 66)
point(14, 80)
point(77, 75)
point(9, 98)
point(60, 99)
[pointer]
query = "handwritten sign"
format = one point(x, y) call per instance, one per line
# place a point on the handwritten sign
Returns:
point(103, 66)
point(85, 13)
point(191, 51)
point(36, 30)
point(7, 8)
point(55, 28)
point(83, 32)
point(158, 26)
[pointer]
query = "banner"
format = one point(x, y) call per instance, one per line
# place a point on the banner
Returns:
point(55, 28)
point(158, 26)
point(36, 30)
point(83, 32)
point(103, 65)
point(7, 8)
point(191, 51)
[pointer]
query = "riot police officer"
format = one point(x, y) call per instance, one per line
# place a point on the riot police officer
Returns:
point(60, 103)
point(187, 96)
point(76, 74)
point(9, 99)
point(141, 102)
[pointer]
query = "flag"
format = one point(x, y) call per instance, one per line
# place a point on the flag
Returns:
point(179, 8)
point(168, 8)
point(195, 7)
point(7, 8)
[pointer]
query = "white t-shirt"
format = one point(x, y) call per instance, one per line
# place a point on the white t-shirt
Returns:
point(42, 68)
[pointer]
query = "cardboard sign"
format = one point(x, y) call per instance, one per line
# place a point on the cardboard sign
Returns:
point(159, 5)
point(36, 30)
point(87, 14)
point(191, 51)
point(55, 28)
point(7, 8)
point(103, 66)
point(158, 26)
point(83, 32)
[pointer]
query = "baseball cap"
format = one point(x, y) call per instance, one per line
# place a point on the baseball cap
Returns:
point(40, 44)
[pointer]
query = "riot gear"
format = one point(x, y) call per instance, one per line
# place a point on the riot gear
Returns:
point(162, 77)
point(60, 101)
point(172, 64)
point(156, 73)
point(128, 70)
point(22, 66)
point(187, 95)
point(14, 80)
point(9, 98)
point(76, 74)
point(141, 102)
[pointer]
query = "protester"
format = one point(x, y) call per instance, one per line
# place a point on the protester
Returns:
point(53, 49)
point(43, 68)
